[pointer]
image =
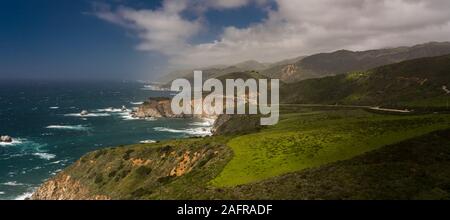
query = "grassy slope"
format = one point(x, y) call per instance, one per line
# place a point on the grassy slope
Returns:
point(418, 168)
point(415, 83)
point(311, 139)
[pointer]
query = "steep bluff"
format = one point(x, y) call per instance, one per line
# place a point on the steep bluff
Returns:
point(161, 108)
point(157, 108)
point(144, 171)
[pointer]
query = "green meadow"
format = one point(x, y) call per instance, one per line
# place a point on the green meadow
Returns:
point(308, 138)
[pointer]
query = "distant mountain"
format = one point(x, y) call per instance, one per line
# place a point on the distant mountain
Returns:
point(343, 61)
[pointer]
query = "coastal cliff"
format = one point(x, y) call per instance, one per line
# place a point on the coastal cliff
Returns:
point(64, 187)
point(156, 108)
point(160, 107)
point(143, 171)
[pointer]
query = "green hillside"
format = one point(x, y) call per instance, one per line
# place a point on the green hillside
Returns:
point(314, 138)
point(343, 61)
point(413, 83)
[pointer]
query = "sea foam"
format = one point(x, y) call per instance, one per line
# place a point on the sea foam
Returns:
point(45, 156)
point(147, 142)
point(69, 127)
point(15, 141)
point(24, 196)
point(88, 115)
point(189, 131)
point(12, 183)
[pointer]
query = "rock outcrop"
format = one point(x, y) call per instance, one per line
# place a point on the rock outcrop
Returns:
point(161, 108)
point(6, 139)
point(156, 108)
point(64, 187)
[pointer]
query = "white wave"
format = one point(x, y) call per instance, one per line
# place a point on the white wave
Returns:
point(136, 103)
point(57, 162)
point(147, 142)
point(206, 122)
point(54, 107)
point(2, 193)
point(15, 141)
point(45, 156)
point(111, 110)
point(88, 115)
point(201, 124)
point(24, 196)
point(69, 127)
point(189, 131)
point(127, 116)
point(55, 172)
point(47, 134)
point(12, 183)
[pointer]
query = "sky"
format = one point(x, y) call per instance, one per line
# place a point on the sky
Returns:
point(134, 39)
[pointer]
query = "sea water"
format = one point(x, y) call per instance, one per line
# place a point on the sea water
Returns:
point(49, 132)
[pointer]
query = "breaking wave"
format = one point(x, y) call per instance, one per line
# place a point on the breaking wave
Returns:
point(24, 196)
point(15, 141)
point(12, 183)
point(112, 110)
point(147, 142)
point(45, 156)
point(69, 127)
point(189, 131)
point(88, 115)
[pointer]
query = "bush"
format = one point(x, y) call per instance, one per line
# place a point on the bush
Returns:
point(143, 171)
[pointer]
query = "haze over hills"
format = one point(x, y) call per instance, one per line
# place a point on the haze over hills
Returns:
point(323, 64)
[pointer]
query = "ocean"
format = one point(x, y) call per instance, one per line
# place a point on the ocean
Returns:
point(49, 133)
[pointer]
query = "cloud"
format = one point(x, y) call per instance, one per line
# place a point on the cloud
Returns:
point(293, 28)
point(162, 30)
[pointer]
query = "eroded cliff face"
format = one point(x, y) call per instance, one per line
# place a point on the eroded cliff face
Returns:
point(64, 187)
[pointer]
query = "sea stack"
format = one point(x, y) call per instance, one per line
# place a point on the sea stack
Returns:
point(6, 139)
point(84, 112)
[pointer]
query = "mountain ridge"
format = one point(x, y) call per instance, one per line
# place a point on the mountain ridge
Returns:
point(322, 64)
